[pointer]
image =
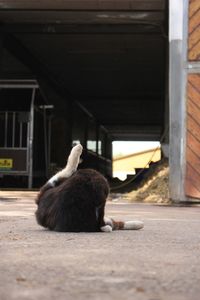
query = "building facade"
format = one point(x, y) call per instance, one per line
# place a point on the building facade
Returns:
point(95, 72)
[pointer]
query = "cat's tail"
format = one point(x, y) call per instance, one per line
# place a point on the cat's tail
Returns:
point(121, 225)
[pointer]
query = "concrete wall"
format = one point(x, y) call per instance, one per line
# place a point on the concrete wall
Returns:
point(136, 161)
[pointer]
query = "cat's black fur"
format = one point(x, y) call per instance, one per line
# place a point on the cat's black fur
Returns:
point(75, 204)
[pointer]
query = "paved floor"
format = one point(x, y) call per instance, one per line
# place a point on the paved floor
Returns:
point(161, 261)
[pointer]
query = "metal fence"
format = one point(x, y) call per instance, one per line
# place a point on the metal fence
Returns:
point(16, 136)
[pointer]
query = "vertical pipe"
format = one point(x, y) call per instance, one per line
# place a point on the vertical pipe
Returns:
point(6, 130)
point(165, 142)
point(26, 133)
point(49, 144)
point(45, 141)
point(20, 134)
point(13, 129)
point(97, 138)
point(98, 166)
point(86, 133)
point(30, 177)
point(27, 146)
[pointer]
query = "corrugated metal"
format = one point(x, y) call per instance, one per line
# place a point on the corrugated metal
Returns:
point(194, 30)
point(192, 186)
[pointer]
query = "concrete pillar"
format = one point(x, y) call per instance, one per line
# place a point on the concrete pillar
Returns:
point(1, 50)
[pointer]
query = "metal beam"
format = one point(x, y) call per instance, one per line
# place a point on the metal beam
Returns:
point(148, 28)
point(194, 67)
point(82, 4)
point(81, 17)
point(134, 133)
point(31, 136)
point(18, 84)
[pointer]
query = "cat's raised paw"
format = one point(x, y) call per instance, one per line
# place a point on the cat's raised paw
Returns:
point(77, 149)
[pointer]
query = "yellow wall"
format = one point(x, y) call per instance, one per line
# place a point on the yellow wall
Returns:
point(137, 160)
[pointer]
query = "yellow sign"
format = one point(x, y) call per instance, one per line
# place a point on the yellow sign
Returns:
point(6, 163)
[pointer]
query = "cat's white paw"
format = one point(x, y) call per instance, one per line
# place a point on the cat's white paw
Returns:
point(106, 228)
point(133, 225)
point(72, 163)
point(71, 167)
point(74, 157)
point(108, 221)
point(76, 150)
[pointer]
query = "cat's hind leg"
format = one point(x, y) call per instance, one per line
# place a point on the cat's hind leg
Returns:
point(71, 166)
point(123, 225)
point(133, 225)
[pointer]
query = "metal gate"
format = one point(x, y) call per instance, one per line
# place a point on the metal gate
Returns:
point(16, 138)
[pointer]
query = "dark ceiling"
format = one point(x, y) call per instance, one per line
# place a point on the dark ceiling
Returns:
point(110, 56)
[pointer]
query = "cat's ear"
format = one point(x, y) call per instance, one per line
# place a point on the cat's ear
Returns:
point(106, 228)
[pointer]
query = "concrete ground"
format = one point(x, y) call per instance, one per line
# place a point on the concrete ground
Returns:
point(161, 261)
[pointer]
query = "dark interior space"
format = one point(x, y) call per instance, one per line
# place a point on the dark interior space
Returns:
point(106, 60)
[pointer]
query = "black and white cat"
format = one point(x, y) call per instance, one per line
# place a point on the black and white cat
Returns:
point(74, 200)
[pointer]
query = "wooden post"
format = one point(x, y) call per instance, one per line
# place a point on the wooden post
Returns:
point(192, 179)
point(184, 91)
